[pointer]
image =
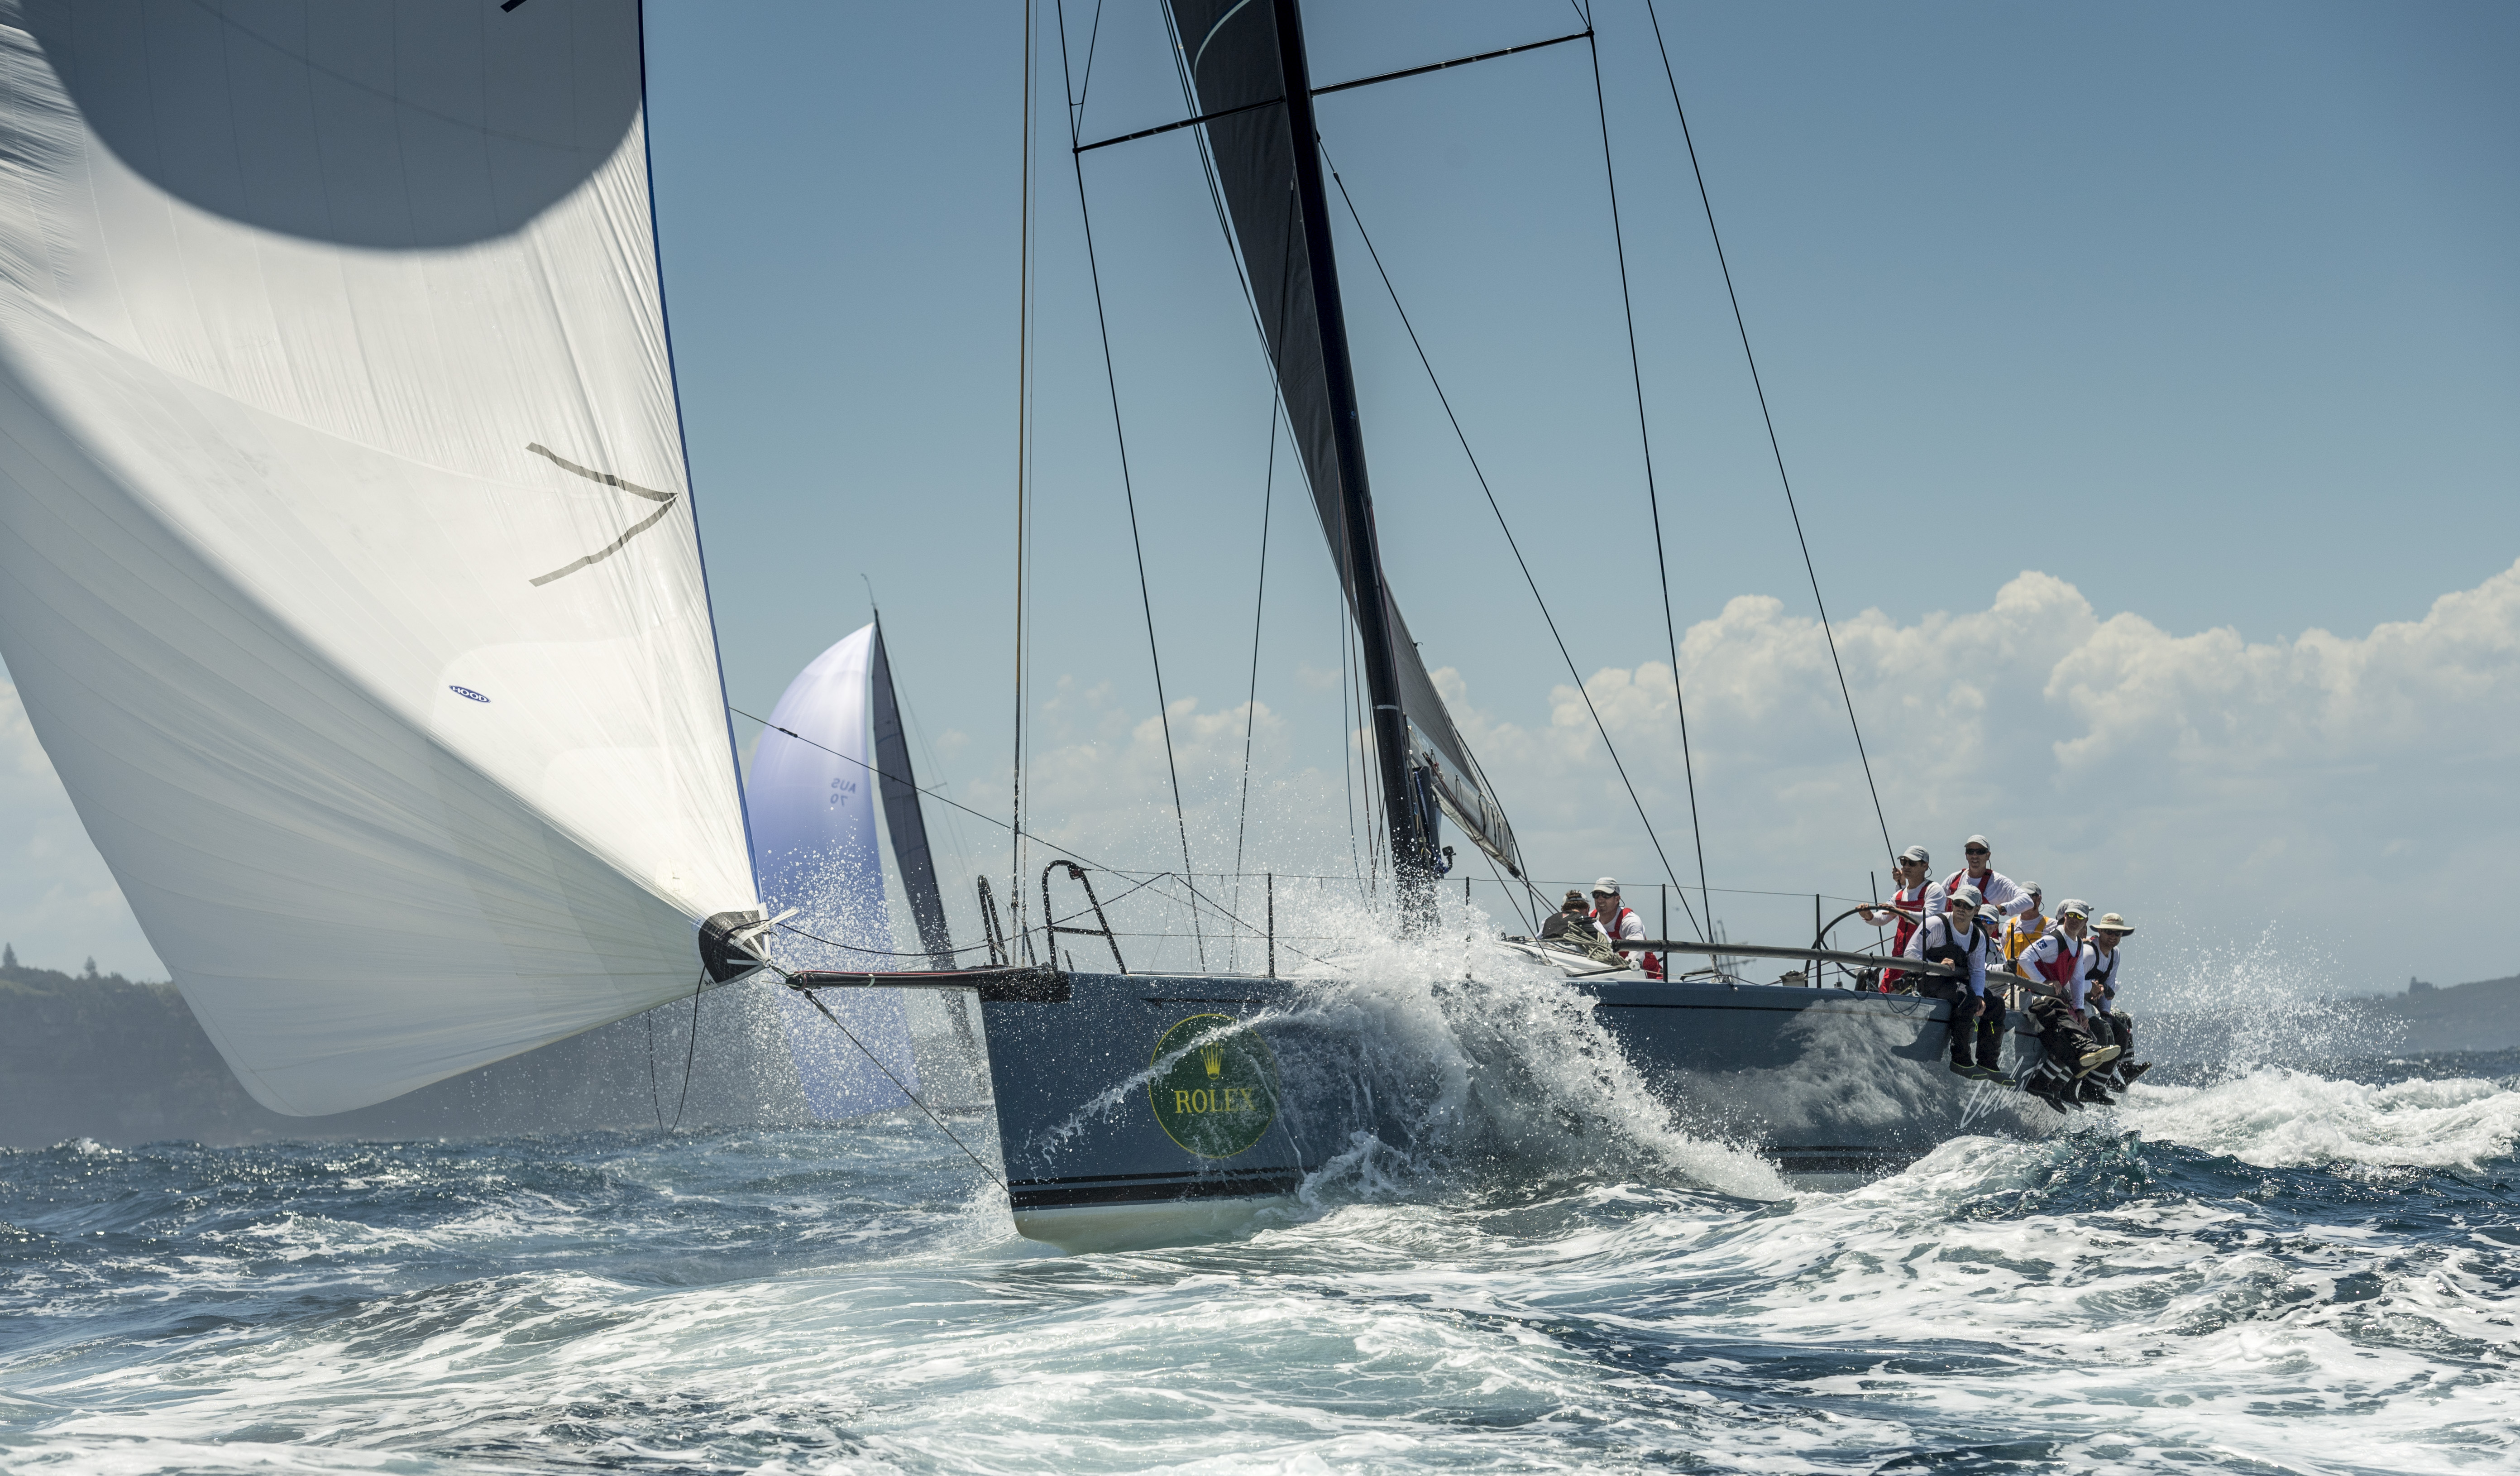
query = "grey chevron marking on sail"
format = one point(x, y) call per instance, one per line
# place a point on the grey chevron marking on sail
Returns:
point(591, 475)
point(609, 480)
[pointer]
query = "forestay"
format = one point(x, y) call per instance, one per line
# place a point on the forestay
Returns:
point(1231, 49)
point(347, 565)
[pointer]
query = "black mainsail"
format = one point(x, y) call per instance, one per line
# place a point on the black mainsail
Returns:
point(1245, 60)
point(902, 813)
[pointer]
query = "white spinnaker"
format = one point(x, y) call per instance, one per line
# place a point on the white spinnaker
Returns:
point(347, 569)
point(816, 850)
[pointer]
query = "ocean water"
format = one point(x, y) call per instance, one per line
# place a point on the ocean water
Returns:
point(2254, 1268)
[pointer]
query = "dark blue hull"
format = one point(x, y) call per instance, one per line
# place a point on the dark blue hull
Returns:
point(1147, 1110)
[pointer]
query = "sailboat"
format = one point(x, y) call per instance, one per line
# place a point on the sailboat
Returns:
point(1137, 1109)
point(819, 854)
point(349, 577)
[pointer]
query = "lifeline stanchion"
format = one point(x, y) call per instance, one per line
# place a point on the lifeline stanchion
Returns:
point(1273, 924)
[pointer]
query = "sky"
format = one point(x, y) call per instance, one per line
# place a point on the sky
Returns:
point(2148, 377)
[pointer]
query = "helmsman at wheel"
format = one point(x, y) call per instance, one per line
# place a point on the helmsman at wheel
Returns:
point(2000, 896)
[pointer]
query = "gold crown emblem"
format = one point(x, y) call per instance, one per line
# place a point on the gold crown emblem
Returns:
point(1214, 1056)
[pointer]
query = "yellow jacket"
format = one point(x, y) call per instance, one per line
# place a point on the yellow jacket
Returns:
point(2019, 934)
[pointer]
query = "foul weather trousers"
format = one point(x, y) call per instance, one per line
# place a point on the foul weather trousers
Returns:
point(1977, 1021)
point(2114, 1028)
point(2067, 1042)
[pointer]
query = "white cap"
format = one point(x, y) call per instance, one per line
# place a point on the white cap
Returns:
point(1608, 885)
point(1965, 897)
point(2032, 889)
point(1916, 854)
point(2074, 907)
point(1977, 839)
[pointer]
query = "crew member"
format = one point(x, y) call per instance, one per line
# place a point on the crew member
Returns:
point(2002, 898)
point(2102, 972)
point(1918, 896)
point(1955, 937)
point(2024, 930)
point(1618, 923)
point(2062, 958)
point(1574, 915)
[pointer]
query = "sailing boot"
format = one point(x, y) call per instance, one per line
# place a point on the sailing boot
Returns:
point(2093, 1059)
point(2090, 1089)
point(2128, 1074)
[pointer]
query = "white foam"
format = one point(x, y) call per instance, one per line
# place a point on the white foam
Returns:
point(2275, 1118)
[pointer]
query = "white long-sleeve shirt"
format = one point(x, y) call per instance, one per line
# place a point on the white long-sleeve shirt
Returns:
point(1626, 926)
point(2041, 956)
point(2101, 969)
point(1937, 933)
point(2000, 894)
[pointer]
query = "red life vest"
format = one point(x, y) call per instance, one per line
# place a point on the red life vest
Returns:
point(2061, 969)
point(1908, 925)
point(1907, 928)
point(1960, 878)
point(1651, 964)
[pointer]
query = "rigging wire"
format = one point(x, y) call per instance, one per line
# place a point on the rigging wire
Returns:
point(1259, 604)
point(1775, 448)
point(913, 1098)
point(1347, 778)
point(1653, 497)
point(1128, 488)
point(1510, 543)
point(1268, 501)
point(1023, 462)
point(1510, 899)
point(1361, 727)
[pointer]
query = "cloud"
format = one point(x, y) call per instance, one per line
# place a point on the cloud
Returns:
point(2353, 793)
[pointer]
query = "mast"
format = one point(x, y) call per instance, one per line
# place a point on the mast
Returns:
point(1411, 866)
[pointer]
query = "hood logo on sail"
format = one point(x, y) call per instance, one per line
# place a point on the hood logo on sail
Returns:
point(1213, 1086)
point(609, 480)
point(466, 692)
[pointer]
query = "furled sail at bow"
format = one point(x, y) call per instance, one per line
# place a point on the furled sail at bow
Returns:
point(347, 565)
point(1230, 47)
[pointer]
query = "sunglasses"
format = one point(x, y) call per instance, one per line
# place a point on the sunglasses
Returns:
point(1976, 850)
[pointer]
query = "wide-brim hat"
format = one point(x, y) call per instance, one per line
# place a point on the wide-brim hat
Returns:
point(2110, 922)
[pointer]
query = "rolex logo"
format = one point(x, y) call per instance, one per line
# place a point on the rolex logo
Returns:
point(1214, 1084)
